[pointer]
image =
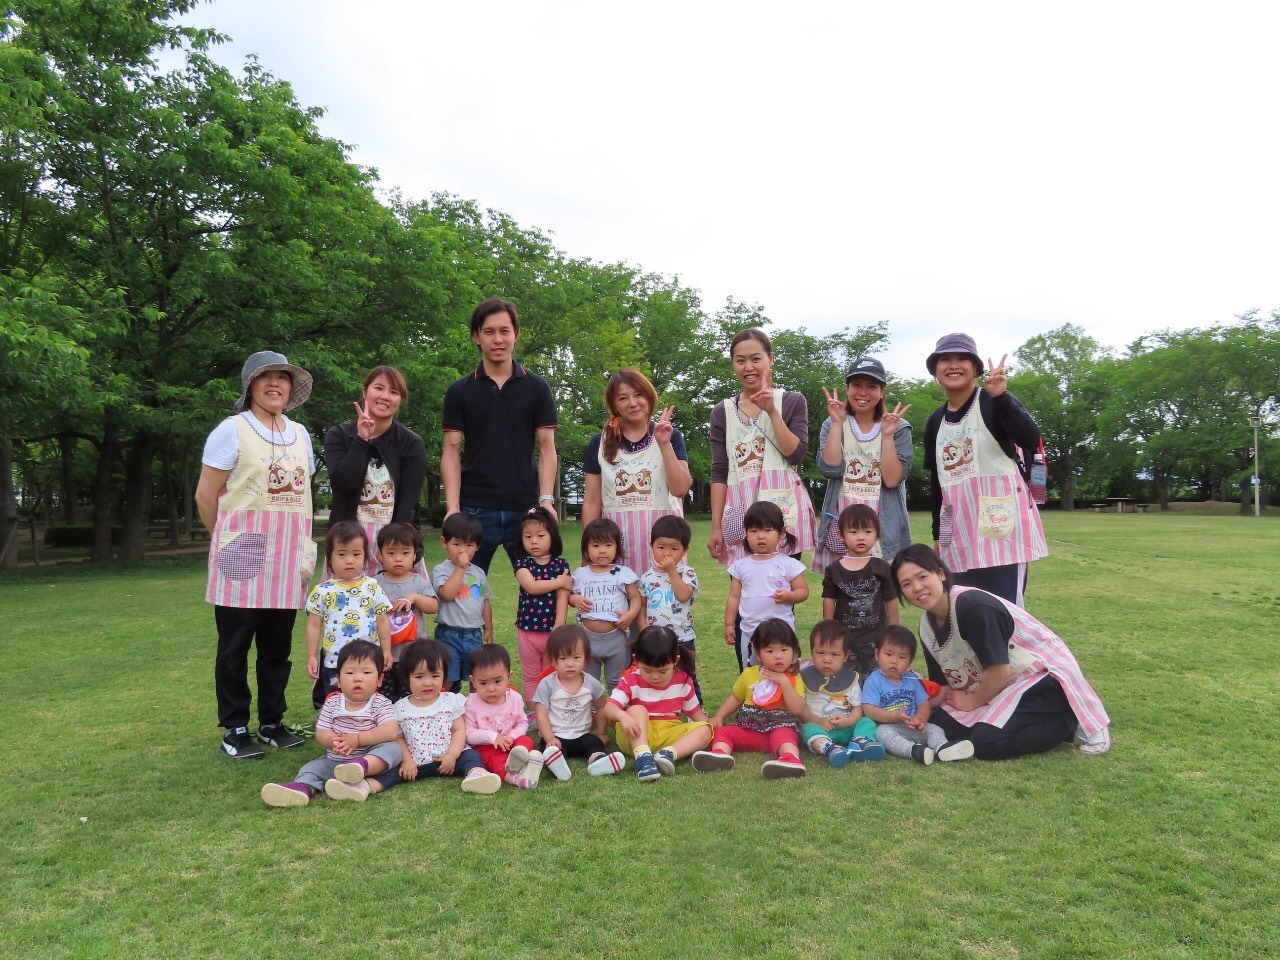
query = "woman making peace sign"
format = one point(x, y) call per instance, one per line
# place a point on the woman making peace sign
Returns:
point(636, 470)
point(376, 465)
point(865, 452)
point(985, 524)
point(758, 437)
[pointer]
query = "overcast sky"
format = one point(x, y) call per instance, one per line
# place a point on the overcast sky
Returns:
point(998, 168)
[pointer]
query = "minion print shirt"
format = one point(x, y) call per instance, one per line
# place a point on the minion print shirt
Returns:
point(349, 610)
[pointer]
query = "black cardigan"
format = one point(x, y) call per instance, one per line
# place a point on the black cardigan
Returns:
point(347, 458)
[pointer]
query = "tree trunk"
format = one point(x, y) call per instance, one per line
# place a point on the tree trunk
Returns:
point(8, 509)
point(104, 493)
point(1162, 488)
point(137, 497)
point(1246, 501)
point(70, 492)
point(171, 494)
point(188, 496)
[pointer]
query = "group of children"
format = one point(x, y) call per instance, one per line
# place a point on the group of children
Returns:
point(391, 708)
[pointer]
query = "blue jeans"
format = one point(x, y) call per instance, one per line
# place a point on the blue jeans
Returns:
point(459, 641)
point(500, 527)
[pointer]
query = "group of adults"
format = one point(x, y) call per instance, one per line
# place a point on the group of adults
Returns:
point(1009, 684)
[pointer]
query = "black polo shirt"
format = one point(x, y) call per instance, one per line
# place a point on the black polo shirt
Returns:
point(498, 427)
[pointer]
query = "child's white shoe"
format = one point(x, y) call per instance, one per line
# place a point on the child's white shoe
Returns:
point(605, 764)
point(482, 782)
point(338, 790)
point(517, 758)
point(553, 759)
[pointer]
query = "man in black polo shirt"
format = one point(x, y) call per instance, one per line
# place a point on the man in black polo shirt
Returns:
point(491, 419)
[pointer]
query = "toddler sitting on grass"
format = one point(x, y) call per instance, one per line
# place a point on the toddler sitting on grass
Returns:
point(358, 729)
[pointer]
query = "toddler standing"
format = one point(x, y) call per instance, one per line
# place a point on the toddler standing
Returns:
point(346, 607)
point(410, 593)
point(669, 587)
point(464, 620)
point(606, 598)
point(766, 584)
point(496, 723)
point(858, 588)
point(357, 727)
point(545, 582)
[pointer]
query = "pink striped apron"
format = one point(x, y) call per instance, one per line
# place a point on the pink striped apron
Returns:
point(634, 493)
point(861, 484)
point(988, 518)
point(758, 472)
point(261, 554)
point(1034, 650)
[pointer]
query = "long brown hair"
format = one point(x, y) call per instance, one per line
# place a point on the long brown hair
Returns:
point(611, 435)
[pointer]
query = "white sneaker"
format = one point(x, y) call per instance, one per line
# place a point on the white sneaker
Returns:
point(1098, 743)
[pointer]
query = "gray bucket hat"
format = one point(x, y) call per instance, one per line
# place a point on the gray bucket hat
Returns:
point(866, 367)
point(264, 361)
point(955, 343)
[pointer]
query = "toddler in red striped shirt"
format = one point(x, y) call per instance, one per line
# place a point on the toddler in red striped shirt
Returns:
point(655, 707)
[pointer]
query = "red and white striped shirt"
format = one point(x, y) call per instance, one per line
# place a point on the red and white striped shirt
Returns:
point(663, 703)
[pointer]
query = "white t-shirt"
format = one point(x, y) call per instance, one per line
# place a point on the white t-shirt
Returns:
point(759, 579)
point(428, 730)
point(222, 447)
point(569, 713)
point(607, 591)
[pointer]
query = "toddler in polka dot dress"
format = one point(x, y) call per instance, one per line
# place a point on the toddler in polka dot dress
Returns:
point(545, 581)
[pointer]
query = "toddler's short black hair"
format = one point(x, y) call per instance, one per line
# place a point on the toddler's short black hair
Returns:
point(565, 639)
point(401, 534)
point(359, 651)
point(672, 528)
point(428, 653)
point(462, 527)
point(490, 655)
point(899, 637)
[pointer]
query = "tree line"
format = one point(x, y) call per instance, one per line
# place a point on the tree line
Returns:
point(159, 223)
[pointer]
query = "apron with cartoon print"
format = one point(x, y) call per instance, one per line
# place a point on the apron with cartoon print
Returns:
point(988, 518)
point(860, 484)
point(634, 494)
point(1034, 650)
point(758, 472)
point(261, 554)
point(374, 508)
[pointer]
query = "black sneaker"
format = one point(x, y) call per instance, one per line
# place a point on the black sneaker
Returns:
point(240, 746)
point(279, 736)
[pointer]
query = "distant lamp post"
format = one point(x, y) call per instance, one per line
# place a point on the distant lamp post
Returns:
point(1255, 421)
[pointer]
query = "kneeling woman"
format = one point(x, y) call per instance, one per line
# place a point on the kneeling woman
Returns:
point(1009, 684)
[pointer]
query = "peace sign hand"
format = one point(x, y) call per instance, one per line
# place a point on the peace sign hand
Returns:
point(835, 406)
point(997, 381)
point(892, 418)
point(662, 429)
point(364, 423)
point(764, 398)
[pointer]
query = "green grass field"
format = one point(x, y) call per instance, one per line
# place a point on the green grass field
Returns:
point(127, 834)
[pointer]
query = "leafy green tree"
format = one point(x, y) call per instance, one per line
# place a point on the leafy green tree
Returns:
point(1058, 381)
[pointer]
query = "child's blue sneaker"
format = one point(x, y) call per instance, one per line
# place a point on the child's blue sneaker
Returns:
point(647, 767)
point(838, 756)
point(863, 749)
point(666, 761)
